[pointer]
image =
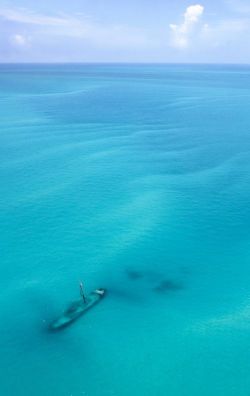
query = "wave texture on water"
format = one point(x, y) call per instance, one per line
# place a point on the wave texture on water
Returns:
point(135, 179)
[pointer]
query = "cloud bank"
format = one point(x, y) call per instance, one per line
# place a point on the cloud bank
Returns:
point(217, 36)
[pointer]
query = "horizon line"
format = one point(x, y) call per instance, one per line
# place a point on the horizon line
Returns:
point(123, 63)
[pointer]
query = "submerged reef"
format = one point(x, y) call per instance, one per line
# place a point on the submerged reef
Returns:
point(134, 275)
point(160, 285)
point(168, 285)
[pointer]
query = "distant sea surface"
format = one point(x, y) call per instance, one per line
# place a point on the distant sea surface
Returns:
point(135, 178)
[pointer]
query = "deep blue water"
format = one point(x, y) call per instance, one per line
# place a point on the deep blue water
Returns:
point(135, 178)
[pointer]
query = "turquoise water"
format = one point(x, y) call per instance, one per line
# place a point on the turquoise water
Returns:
point(136, 179)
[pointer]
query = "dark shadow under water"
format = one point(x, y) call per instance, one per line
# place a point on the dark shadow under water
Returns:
point(168, 285)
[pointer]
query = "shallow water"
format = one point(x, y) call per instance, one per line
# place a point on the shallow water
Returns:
point(135, 179)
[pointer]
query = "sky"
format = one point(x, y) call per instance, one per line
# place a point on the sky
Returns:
point(207, 31)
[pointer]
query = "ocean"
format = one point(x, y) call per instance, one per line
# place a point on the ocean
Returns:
point(134, 178)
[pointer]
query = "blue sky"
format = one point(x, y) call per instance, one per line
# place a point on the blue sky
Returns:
point(215, 31)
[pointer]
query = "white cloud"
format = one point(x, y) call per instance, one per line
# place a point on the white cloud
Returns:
point(19, 40)
point(220, 33)
point(193, 14)
point(181, 34)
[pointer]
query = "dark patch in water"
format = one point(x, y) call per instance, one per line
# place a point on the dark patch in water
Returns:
point(134, 275)
point(168, 285)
